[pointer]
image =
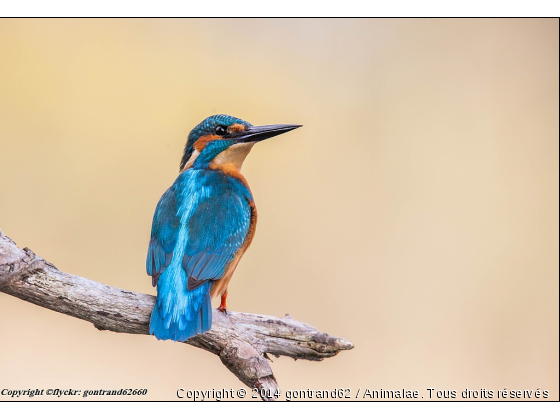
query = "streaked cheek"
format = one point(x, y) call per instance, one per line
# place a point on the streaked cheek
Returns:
point(202, 141)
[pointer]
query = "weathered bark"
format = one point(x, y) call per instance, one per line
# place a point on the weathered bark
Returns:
point(241, 340)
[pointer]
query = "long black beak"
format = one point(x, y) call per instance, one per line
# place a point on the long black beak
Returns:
point(261, 133)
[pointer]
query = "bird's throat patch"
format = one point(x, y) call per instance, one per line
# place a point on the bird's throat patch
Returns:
point(233, 155)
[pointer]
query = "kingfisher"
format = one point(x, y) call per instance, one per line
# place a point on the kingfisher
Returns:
point(202, 226)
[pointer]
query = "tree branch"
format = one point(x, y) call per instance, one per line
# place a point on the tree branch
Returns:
point(241, 340)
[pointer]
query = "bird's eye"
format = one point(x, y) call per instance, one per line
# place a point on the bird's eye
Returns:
point(219, 130)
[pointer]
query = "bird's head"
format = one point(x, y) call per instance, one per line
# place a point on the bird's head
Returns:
point(224, 140)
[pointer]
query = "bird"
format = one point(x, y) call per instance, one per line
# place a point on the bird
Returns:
point(202, 226)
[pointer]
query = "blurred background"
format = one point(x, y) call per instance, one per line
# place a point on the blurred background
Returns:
point(415, 213)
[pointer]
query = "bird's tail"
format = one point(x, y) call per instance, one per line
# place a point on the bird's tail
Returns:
point(180, 313)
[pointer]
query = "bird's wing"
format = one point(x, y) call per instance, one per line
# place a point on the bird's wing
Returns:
point(216, 230)
point(165, 228)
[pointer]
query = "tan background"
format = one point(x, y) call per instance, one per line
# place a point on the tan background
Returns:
point(415, 213)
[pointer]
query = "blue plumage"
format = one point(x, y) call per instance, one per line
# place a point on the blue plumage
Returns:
point(202, 226)
point(199, 224)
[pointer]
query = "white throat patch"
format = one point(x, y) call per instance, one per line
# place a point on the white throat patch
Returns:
point(191, 160)
point(235, 154)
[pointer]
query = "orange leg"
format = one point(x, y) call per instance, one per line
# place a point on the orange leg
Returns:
point(222, 307)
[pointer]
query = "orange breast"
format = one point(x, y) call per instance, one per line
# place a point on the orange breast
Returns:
point(220, 286)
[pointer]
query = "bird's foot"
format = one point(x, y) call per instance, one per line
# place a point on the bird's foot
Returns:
point(222, 307)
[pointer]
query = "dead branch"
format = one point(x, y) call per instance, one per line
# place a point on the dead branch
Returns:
point(241, 340)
